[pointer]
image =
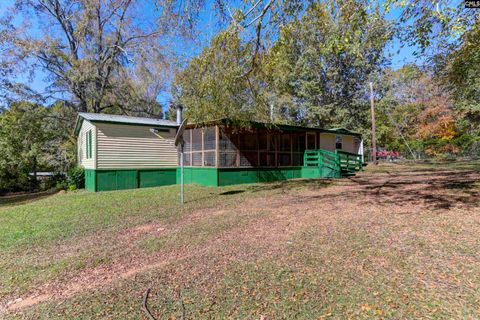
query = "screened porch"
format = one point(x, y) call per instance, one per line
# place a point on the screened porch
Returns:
point(222, 146)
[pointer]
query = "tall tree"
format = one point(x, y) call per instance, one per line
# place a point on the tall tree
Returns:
point(314, 73)
point(434, 26)
point(23, 139)
point(219, 83)
point(320, 66)
point(416, 113)
point(95, 53)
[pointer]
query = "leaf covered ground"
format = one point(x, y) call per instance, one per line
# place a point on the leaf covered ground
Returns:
point(396, 241)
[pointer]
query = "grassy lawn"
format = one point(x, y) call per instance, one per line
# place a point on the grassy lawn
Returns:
point(397, 241)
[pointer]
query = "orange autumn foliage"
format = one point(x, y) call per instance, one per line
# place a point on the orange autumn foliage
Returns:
point(436, 122)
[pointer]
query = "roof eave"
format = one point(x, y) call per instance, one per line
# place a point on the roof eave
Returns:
point(81, 118)
point(78, 124)
point(256, 124)
point(158, 125)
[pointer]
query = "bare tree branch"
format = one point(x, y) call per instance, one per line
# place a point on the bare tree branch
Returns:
point(145, 305)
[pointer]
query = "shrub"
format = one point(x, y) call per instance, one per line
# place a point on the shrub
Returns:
point(76, 178)
point(53, 182)
point(61, 185)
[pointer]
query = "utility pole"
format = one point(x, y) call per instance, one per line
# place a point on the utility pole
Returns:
point(374, 135)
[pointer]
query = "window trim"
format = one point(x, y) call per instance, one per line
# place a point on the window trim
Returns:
point(88, 143)
point(338, 141)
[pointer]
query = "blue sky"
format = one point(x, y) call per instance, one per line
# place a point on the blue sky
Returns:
point(209, 29)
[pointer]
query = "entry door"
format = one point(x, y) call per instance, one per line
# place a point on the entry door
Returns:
point(311, 142)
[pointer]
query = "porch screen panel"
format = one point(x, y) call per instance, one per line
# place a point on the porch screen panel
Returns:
point(285, 150)
point(209, 146)
point(209, 158)
point(228, 159)
point(298, 148)
point(262, 147)
point(196, 147)
point(196, 159)
point(248, 145)
point(270, 156)
point(187, 148)
point(228, 148)
point(267, 148)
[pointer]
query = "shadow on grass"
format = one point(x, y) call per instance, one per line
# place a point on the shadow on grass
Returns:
point(291, 184)
point(18, 199)
point(226, 193)
point(430, 188)
point(434, 189)
point(283, 185)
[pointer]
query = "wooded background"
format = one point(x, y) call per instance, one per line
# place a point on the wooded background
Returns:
point(290, 62)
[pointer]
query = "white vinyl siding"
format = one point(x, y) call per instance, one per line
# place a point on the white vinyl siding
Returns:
point(327, 142)
point(347, 144)
point(131, 147)
point(83, 159)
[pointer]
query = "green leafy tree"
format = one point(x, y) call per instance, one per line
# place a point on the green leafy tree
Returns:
point(316, 72)
point(434, 26)
point(98, 55)
point(320, 66)
point(461, 76)
point(218, 83)
point(23, 139)
point(447, 34)
point(417, 115)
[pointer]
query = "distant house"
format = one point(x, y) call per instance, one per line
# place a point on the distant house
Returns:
point(120, 152)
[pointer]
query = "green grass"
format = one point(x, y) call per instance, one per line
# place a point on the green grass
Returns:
point(66, 216)
point(302, 249)
point(65, 233)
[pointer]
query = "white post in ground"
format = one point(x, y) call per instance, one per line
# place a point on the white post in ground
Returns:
point(374, 128)
point(182, 175)
point(360, 150)
point(179, 142)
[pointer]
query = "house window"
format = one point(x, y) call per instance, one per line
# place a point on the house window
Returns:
point(338, 142)
point(88, 142)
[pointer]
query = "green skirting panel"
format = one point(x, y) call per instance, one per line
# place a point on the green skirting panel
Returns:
point(106, 180)
point(229, 176)
point(199, 175)
point(90, 180)
point(121, 179)
point(155, 178)
point(311, 172)
point(319, 172)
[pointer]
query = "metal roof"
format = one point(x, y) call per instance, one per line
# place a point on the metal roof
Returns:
point(343, 130)
point(280, 127)
point(113, 118)
point(102, 117)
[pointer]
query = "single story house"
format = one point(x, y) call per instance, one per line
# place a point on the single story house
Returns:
point(122, 152)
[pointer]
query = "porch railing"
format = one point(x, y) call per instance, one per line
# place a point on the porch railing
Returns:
point(340, 163)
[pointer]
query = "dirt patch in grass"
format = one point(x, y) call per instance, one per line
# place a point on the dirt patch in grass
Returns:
point(385, 244)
